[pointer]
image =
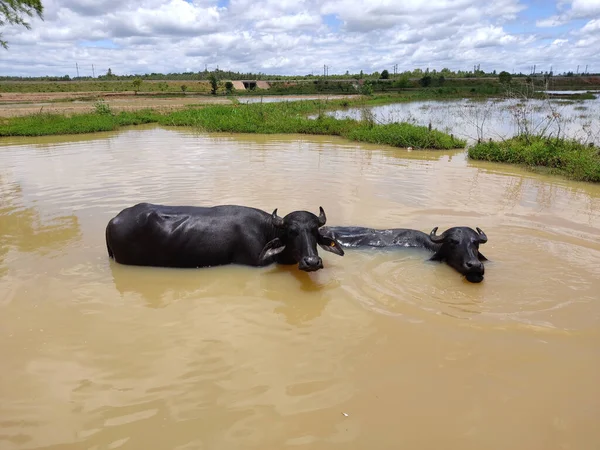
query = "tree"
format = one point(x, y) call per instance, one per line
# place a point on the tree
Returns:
point(12, 12)
point(425, 81)
point(385, 74)
point(504, 77)
point(402, 83)
point(214, 83)
point(137, 83)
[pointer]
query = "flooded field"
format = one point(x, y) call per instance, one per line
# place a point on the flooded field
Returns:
point(493, 119)
point(377, 350)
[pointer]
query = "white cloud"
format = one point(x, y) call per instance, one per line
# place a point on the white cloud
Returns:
point(593, 26)
point(572, 10)
point(293, 36)
point(381, 14)
point(486, 37)
point(292, 22)
point(549, 22)
point(585, 8)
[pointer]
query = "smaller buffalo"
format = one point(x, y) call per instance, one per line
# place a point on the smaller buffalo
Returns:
point(458, 246)
point(191, 236)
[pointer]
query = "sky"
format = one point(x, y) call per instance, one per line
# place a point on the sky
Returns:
point(298, 37)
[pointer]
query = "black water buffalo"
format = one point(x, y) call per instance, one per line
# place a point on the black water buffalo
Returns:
point(192, 236)
point(457, 246)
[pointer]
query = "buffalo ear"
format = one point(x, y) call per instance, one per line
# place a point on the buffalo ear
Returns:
point(330, 245)
point(322, 217)
point(481, 257)
point(272, 248)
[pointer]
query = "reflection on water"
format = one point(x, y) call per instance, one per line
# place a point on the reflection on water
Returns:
point(492, 119)
point(159, 288)
point(101, 355)
point(22, 228)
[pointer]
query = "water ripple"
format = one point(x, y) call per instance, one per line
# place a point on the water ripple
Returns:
point(100, 355)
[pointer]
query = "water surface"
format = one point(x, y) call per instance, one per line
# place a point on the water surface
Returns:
point(493, 118)
point(377, 350)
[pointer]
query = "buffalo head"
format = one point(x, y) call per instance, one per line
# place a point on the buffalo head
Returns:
point(460, 250)
point(298, 239)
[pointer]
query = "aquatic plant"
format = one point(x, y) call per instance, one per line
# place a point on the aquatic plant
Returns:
point(540, 143)
point(566, 157)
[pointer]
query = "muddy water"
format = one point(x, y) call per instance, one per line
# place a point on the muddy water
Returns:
point(378, 350)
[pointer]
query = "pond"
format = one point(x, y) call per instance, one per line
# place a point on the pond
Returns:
point(493, 118)
point(378, 349)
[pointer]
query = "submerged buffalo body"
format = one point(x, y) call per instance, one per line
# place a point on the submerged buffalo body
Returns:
point(192, 236)
point(458, 246)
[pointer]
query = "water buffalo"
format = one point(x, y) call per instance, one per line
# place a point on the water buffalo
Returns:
point(457, 246)
point(190, 236)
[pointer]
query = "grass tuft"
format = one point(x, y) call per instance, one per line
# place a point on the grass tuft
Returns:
point(568, 158)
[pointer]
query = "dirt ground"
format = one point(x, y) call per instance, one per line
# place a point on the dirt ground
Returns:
point(21, 104)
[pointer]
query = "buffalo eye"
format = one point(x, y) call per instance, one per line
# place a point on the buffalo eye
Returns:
point(453, 241)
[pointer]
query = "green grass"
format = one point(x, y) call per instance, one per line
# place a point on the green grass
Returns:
point(568, 158)
point(105, 86)
point(404, 135)
point(265, 118)
point(44, 124)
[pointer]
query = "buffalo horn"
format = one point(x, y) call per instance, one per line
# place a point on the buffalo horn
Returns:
point(434, 238)
point(482, 237)
point(277, 221)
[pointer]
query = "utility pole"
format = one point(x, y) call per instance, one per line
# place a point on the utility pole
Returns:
point(93, 72)
point(586, 66)
point(77, 67)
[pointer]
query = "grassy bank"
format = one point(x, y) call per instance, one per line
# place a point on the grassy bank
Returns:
point(45, 124)
point(568, 158)
point(264, 118)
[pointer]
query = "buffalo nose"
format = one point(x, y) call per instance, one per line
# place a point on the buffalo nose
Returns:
point(474, 265)
point(312, 262)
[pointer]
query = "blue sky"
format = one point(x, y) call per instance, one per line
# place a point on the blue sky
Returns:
point(300, 36)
